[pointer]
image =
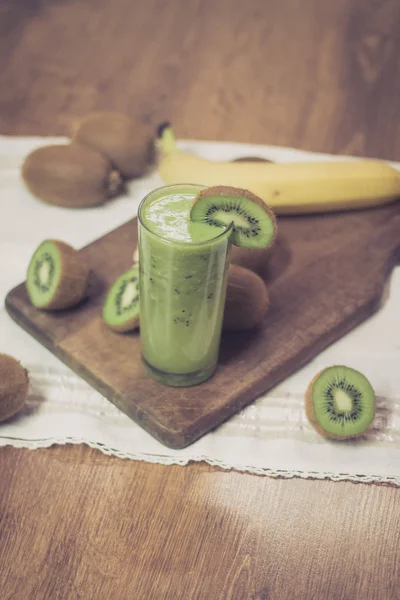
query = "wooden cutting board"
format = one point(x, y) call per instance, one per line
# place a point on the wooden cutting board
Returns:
point(326, 276)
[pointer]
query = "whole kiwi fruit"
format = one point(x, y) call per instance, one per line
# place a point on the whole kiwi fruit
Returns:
point(255, 259)
point(126, 143)
point(70, 175)
point(247, 300)
point(14, 385)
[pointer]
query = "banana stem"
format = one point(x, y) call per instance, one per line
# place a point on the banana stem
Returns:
point(166, 139)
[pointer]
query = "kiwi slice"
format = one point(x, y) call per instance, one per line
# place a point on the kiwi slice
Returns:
point(340, 402)
point(14, 385)
point(254, 224)
point(57, 276)
point(121, 306)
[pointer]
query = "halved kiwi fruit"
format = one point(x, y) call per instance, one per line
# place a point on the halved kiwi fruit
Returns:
point(57, 276)
point(340, 402)
point(14, 385)
point(219, 206)
point(121, 306)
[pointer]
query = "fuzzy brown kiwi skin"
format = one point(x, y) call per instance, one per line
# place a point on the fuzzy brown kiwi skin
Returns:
point(311, 415)
point(227, 190)
point(254, 259)
point(70, 175)
point(131, 325)
point(127, 144)
point(14, 385)
point(247, 300)
point(74, 279)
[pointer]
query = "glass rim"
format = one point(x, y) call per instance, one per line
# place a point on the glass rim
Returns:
point(178, 242)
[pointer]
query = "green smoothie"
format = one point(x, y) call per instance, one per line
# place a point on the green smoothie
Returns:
point(183, 270)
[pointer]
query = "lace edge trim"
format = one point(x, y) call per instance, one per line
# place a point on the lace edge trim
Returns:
point(167, 460)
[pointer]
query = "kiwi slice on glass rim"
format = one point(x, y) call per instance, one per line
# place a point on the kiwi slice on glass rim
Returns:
point(57, 276)
point(254, 223)
point(121, 306)
point(340, 403)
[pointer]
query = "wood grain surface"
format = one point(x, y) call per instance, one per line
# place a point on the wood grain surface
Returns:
point(314, 74)
point(326, 276)
point(122, 531)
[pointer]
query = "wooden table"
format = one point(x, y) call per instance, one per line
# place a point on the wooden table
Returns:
point(315, 74)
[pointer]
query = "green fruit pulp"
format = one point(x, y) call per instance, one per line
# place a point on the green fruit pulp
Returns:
point(44, 274)
point(343, 401)
point(122, 301)
point(182, 283)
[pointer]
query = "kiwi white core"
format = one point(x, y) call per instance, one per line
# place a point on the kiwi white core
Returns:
point(227, 219)
point(44, 272)
point(129, 294)
point(342, 401)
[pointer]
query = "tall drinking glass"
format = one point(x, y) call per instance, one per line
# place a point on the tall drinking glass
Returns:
point(183, 272)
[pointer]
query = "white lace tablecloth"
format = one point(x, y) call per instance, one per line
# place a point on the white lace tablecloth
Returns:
point(271, 436)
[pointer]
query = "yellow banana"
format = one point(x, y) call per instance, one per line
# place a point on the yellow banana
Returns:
point(287, 188)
